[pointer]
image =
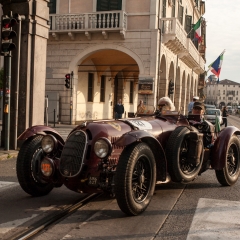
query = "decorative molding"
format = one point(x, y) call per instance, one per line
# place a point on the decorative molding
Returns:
point(55, 36)
point(88, 35)
point(122, 33)
point(71, 35)
point(105, 34)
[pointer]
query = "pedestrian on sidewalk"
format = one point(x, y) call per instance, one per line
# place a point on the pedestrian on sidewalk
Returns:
point(119, 109)
point(190, 105)
point(224, 116)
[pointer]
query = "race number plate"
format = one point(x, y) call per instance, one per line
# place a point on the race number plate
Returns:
point(140, 124)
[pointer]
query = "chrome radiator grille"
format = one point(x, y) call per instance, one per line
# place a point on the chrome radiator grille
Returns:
point(73, 154)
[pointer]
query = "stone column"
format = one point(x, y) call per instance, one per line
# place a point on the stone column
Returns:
point(32, 63)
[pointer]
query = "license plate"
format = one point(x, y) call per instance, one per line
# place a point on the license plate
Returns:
point(92, 181)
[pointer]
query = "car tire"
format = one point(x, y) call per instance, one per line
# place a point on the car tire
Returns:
point(179, 168)
point(230, 173)
point(135, 179)
point(27, 168)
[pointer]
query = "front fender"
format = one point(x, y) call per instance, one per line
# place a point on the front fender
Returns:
point(40, 130)
point(219, 150)
point(157, 149)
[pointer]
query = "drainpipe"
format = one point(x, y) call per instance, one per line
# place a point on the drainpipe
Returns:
point(159, 51)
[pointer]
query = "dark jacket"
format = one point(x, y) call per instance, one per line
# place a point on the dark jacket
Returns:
point(119, 109)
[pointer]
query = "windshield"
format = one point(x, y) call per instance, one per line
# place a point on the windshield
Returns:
point(212, 112)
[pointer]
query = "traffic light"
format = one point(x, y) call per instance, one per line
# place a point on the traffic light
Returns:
point(67, 80)
point(8, 34)
point(170, 88)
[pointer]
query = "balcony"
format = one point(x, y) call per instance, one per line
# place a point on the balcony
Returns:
point(88, 23)
point(175, 38)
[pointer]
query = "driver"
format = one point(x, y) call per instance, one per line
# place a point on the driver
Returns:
point(165, 104)
point(203, 125)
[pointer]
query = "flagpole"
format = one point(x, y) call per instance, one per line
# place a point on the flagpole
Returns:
point(195, 24)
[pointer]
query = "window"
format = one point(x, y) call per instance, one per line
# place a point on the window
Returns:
point(90, 87)
point(173, 7)
point(108, 5)
point(102, 88)
point(188, 25)
point(164, 8)
point(52, 6)
point(131, 92)
point(224, 92)
point(180, 14)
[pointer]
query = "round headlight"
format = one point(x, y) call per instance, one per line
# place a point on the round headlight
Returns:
point(48, 143)
point(102, 148)
point(46, 167)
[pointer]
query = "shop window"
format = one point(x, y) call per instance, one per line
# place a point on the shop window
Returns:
point(90, 87)
point(102, 88)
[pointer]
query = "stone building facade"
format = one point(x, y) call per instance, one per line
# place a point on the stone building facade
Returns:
point(128, 49)
point(222, 93)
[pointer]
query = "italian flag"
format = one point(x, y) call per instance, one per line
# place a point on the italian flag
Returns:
point(197, 29)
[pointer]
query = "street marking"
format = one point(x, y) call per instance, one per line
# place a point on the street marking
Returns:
point(4, 185)
point(215, 219)
point(6, 227)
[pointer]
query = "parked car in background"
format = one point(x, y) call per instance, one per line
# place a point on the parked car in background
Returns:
point(229, 109)
point(209, 106)
point(210, 115)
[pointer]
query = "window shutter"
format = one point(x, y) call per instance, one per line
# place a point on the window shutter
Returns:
point(102, 5)
point(115, 4)
point(164, 8)
point(52, 6)
point(108, 5)
point(180, 14)
point(173, 7)
point(188, 24)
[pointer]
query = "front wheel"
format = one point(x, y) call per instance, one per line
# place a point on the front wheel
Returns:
point(135, 179)
point(27, 168)
point(230, 173)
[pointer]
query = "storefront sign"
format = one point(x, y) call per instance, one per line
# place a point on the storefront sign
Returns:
point(145, 86)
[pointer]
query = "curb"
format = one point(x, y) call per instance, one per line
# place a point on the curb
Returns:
point(5, 155)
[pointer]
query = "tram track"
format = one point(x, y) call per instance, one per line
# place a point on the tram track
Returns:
point(51, 219)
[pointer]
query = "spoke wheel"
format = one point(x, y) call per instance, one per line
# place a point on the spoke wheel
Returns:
point(230, 173)
point(179, 168)
point(135, 178)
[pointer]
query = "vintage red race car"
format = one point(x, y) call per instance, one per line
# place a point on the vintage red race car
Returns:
point(124, 157)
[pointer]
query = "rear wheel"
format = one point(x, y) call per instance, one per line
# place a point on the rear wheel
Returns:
point(179, 168)
point(230, 173)
point(28, 169)
point(135, 178)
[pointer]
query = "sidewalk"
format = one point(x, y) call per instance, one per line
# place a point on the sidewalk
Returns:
point(63, 130)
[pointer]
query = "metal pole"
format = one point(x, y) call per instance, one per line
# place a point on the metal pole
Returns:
point(7, 63)
point(71, 99)
point(54, 119)
point(20, 18)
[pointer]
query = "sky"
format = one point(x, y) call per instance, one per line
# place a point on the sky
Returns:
point(223, 32)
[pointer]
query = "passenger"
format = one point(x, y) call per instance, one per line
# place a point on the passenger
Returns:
point(141, 107)
point(165, 104)
point(203, 126)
